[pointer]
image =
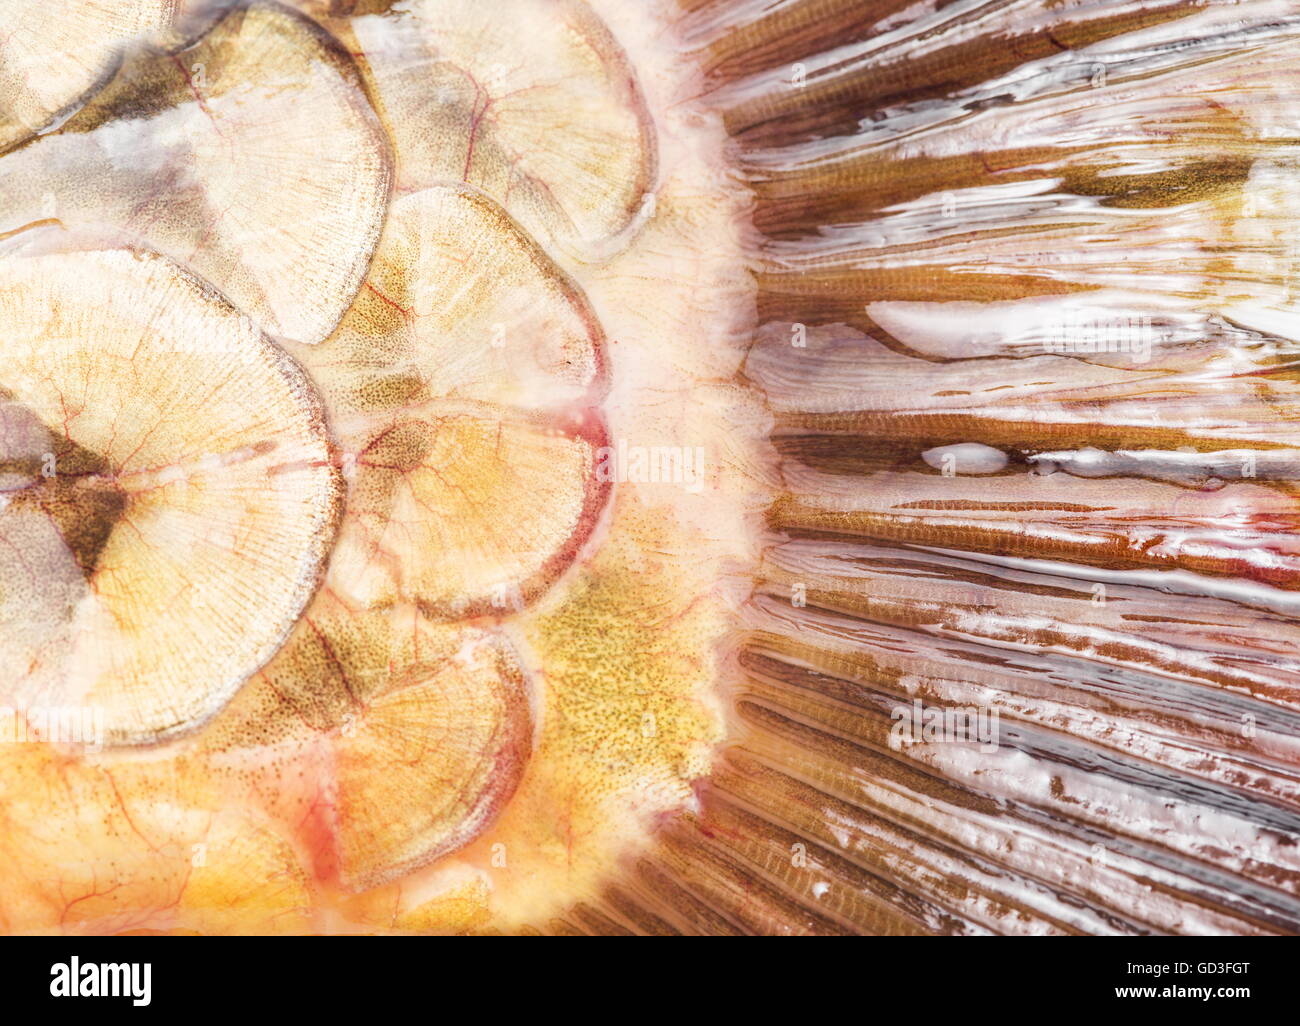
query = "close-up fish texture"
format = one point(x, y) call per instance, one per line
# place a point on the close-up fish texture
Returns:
point(779, 467)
